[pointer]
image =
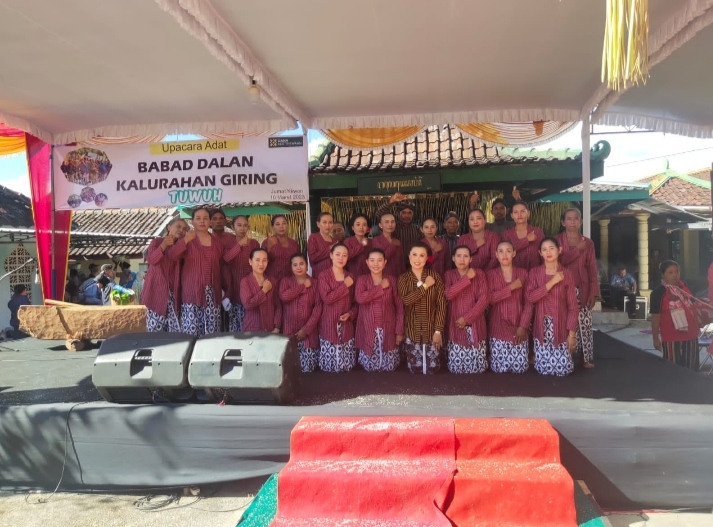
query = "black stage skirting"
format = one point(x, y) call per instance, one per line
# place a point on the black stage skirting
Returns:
point(636, 429)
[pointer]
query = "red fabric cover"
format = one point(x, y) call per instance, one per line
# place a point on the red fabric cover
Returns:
point(398, 471)
point(38, 160)
point(509, 473)
point(6, 131)
point(372, 471)
point(507, 439)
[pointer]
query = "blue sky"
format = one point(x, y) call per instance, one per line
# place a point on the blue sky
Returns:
point(633, 155)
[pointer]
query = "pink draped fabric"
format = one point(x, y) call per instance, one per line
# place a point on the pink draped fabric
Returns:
point(6, 131)
point(38, 161)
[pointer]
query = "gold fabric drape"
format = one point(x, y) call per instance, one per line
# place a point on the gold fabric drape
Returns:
point(134, 139)
point(10, 145)
point(517, 134)
point(367, 138)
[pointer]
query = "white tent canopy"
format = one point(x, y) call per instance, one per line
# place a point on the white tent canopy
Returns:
point(678, 98)
point(76, 69)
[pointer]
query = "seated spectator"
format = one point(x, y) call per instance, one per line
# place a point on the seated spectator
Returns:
point(17, 300)
point(624, 285)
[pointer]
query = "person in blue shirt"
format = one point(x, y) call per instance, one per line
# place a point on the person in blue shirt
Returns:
point(624, 285)
point(17, 300)
point(90, 292)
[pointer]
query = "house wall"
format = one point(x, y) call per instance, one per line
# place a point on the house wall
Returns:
point(6, 288)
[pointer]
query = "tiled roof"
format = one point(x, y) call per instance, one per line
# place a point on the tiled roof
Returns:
point(607, 187)
point(116, 231)
point(681, 190)
point(682, 193)
point(15, 209)
point(438, 147)
point(704, 174)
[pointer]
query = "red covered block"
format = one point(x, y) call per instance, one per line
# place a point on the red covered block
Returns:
point(372, 438)
point(518, 493)
point(507, 439)
point(509, 474)
point(382, 489)
point(385, 471)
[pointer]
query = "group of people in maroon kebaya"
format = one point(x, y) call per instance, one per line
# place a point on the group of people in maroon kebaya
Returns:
point(499, 297)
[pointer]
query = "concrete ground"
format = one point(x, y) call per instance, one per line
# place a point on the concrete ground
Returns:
point(635, 334)
point(214, 507)
point(221, 506)
point(638, 335)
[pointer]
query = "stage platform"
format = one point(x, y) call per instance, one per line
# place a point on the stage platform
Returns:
point(636, 429)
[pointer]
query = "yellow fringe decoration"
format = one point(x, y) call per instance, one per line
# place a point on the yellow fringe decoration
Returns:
point(547, 216)
point(260, 227)
point(625, 58)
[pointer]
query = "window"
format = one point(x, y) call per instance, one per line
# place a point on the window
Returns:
point(22, 272)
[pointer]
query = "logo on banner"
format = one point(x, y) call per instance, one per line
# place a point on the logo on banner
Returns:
point(283, 142)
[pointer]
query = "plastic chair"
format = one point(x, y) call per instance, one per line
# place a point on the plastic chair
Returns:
point(705, 339)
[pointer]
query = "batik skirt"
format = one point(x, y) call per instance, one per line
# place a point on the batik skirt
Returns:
point(585, 334)
point(551, 359)
point(337, 357)
point(415, 357)
point(201, 320)
point(508, 357)
point(472, 358)
point(156, 323)
point(379, 359)
point(235, 319)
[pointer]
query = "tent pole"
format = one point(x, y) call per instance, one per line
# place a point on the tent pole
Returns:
point(308, 230)
point(53, 270)
point(586, 195)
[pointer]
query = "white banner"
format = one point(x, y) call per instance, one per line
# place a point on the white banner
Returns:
point(249, 169)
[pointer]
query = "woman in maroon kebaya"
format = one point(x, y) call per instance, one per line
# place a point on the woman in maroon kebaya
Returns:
point(482, 242)
point(319, 245)
point(259, 297)
point(578, 256)
point(237, 259)
point(358, 245)
point(301, 311)
point(339, 312)
point(440, 253)
point(467, 293)
point(524, 237)
point(510, 315)
point(380, 326)
point(201, 279)
point(550, 287)
point(391, 246)
point(280, 249)
point(160, 292)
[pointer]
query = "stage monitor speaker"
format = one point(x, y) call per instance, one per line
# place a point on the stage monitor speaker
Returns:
point(642, 308)
point(144, 368)
point(251, 368)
